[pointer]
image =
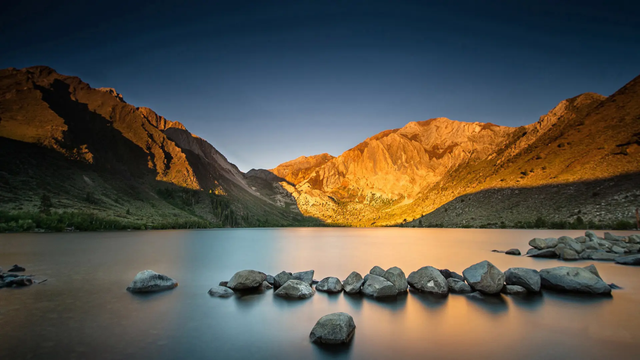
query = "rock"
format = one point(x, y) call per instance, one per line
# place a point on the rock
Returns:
point(529, 279)
point(567, 254)
point(592, 269)
point(379, 287)
point(305, 276)
point(598, 255)
point(605, 245)
point(336, 328)
point(628, 260)
point(330, 285)
point(246, 279)
point(451, 274)
point(513, 252)
point(282, 279)
point(591, 235)
point(571, 244)
point(591, 245)
point(541, 244)
point(581, 239)
point(353, 283)
point(634, 239)
point(18, 281)
point(484, 277)
point(546, 253)
point(458, 287)
point(377, 270)
point(221, 291)
point(366, 277)
point(573, 279)
point(633, 248)
point(150, 281)
point(16, 268)
point(614, 287)
point(498, 251)
point(396, 276)
point(223, 283)
point(315, 282)
point(514, 290)
point(270, 279)
point(611, 237)
point(295, 289)
point(429, 279)
point(266, 286)
point(617, 250)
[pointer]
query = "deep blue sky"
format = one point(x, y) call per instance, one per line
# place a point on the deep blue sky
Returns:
point(268, 81)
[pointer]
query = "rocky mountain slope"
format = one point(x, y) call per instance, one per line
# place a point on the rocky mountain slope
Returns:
point(89, 151)
point(586, 145)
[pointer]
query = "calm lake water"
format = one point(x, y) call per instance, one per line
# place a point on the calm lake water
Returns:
point(84, 312)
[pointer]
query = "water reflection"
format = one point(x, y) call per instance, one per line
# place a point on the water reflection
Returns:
point(83, 310)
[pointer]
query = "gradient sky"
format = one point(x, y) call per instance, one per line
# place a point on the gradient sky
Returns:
point(268, 81)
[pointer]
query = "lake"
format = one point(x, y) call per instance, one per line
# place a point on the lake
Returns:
point(84, 312)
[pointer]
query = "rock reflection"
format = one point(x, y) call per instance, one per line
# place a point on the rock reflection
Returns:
point(429, 300)
point(494, 304)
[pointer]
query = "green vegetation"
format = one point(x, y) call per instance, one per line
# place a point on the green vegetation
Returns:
point(75, 220)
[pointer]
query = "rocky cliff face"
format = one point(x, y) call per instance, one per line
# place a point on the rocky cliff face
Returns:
point(97, 128)
point(399, 175)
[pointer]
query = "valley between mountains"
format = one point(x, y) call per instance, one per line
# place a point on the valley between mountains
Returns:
point(75, 156)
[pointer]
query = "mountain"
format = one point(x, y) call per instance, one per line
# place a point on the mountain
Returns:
point(579, 160)
point(86, 150)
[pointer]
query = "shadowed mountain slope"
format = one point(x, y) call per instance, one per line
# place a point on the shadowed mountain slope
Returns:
point(115, 159)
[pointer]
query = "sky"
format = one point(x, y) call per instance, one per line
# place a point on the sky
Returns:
point(268, 81)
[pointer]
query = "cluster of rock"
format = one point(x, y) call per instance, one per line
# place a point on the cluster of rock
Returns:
point(10, 278)
point(621, 249)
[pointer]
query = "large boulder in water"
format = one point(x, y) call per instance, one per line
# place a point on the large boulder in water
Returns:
point(379, 287)
point(458, 287)
point(628, 260)
point(295, 289)
point(282, 278)
point(353, 283)
point(336, 328)
point(527, 278)
point(573, 279)
point(220, 291)
point(330, 285)
point(377, 270)
point(305, 276)
point(396, 276)
point(541, 244)
point(150, 281)
point(429, 279)
point(246, 279)
point(484, 277)
point(451, 274)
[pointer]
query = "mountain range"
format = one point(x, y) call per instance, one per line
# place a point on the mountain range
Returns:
point(67, 147)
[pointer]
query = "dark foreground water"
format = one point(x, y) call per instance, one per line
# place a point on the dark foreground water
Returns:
point(84, 312)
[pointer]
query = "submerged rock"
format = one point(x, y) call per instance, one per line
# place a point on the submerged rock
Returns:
point(353, 283)
point(150, 281)
point(484, 277)
point(379, 287)
point(336, 328)
point(628, 260)
point(429, 279)
point(377, 270)
point(514, 290)
point(221, 291)
point(546, 253)
point(458, 287)
point(529, 279)
point(246, 279)
point(295, 289)
point(16, 268)
point(573, 279)
point(330, 285)
point(396, 276)
point(513, 252)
